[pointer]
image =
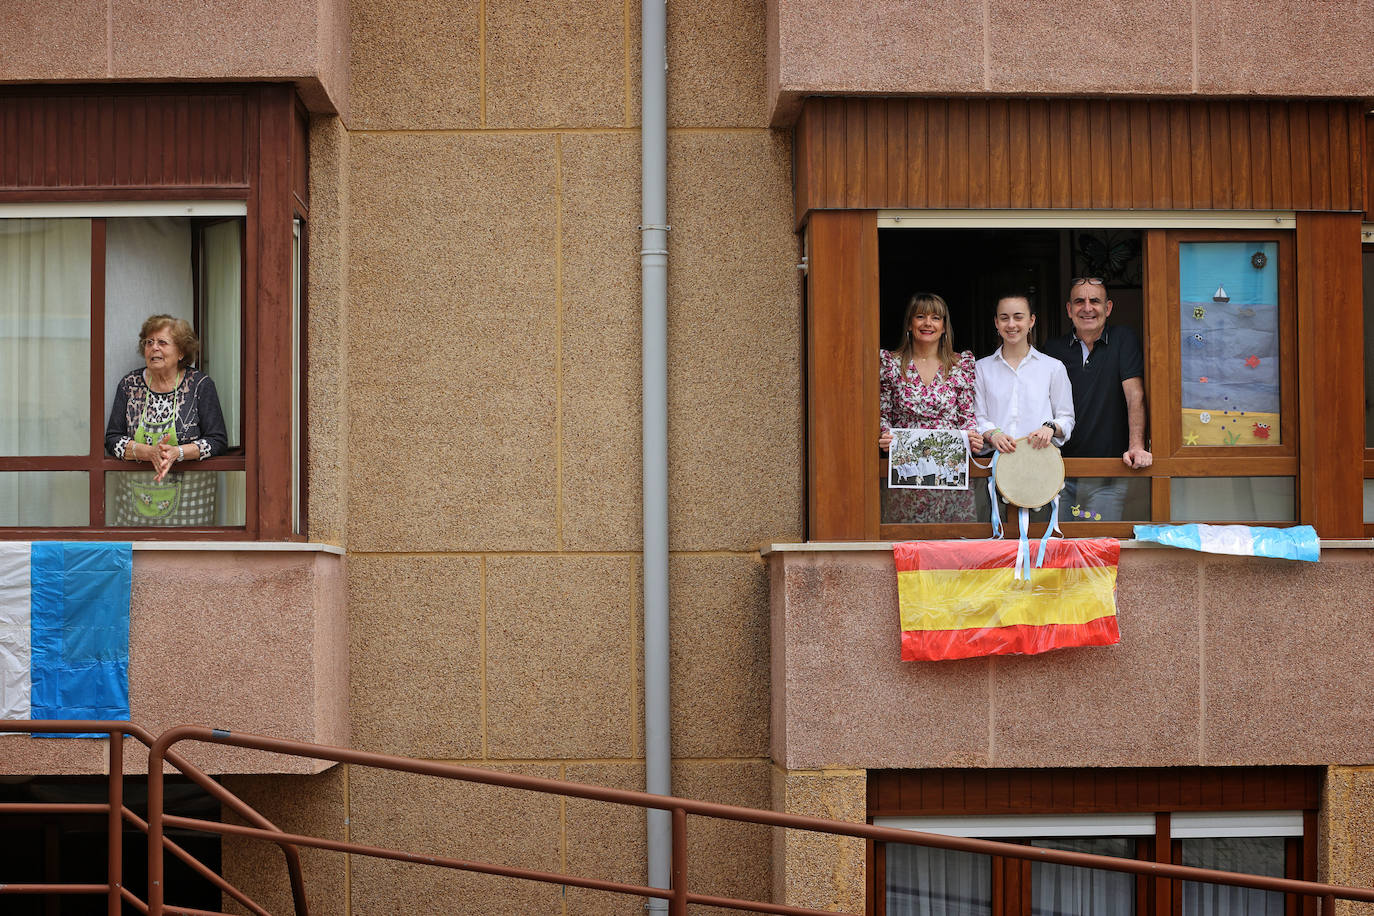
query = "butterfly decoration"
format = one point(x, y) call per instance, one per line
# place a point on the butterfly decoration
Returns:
point(1111, 255)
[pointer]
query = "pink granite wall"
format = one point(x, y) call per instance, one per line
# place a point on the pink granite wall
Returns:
point(300, 41)
point(1049, 47)
point(249, 641)
point(1222, 660)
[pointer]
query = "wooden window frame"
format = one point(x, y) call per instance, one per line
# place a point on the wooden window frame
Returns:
point(841, 377)
point(165, 144)
point(1160, 792)
point(1368, 464)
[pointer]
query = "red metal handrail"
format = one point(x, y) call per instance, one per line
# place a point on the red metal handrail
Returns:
point(118, 813)
point(678, 896)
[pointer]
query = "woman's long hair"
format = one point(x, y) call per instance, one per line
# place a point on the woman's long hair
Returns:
point(927, 304)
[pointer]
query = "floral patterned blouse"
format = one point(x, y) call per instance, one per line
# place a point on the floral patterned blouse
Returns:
point(907, 401)
point(945, 403)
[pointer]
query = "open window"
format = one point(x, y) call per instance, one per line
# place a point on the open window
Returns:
point(133, 202)
point(1214, 310)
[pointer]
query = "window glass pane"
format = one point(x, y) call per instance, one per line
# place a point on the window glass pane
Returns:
point(44, 499)
point(907, 506)
point(147, 272)
point(1229, 316)
point(1105, 499)
point(1369, 501)
point(1066, 890)
point(133, 498)
point(1232, 499)
point(45, 336)
point(221, 327)
point(922, 881)
point(1252, 855)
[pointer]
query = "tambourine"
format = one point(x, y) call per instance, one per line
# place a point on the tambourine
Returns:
point(1030, 477)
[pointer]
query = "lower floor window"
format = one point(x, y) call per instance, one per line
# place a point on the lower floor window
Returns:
point(1224, 819)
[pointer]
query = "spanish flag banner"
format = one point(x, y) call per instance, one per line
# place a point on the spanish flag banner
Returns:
point(959, 598)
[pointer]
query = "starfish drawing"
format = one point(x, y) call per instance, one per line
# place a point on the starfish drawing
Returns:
point(1252, 361)
point(1190, 439)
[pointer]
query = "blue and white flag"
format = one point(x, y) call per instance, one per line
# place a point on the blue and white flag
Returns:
point(1297, 543)
point(64, 630)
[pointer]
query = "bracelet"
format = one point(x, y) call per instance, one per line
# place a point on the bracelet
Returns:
point(181, 453)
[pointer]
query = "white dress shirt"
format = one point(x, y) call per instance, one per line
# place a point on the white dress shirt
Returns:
point(1019, 400)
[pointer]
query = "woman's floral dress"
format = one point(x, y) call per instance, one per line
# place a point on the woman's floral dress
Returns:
point(945, 403)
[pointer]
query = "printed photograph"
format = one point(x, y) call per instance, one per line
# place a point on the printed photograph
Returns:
point(928, 459)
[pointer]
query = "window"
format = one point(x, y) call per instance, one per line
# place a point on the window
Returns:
point(1197, 818)
point(1214, 311)
point(128, 201)
point(1368, 265)
point(74, 292)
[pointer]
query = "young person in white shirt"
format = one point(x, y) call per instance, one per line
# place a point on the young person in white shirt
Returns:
point(1019, 391)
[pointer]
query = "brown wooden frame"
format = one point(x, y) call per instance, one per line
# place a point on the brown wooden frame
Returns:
point(897, 793)
point(1366, 249)
point(1322, 351)
point(165, 143)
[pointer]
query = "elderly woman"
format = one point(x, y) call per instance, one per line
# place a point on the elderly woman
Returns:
point(166, 413)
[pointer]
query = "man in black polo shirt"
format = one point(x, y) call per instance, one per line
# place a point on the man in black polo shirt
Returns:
point(1106, 369)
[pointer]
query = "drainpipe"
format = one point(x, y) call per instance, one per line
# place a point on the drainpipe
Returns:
point(653, 257)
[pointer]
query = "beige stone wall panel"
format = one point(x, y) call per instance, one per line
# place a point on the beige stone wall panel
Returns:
point(719, 644)
point(601, 385)
point(459, 820)
point(1052, 47)
point(53, 40)
point(606, 841)
point(734, 341)
point(308, 805)
point(1346, 822)
point(451, 343)
point(326, 332)
point(727, 858)
point(416, 655)
point(820, 870)
point(556, 65)
point(716, 61)
point(415, 65)
point(1286, 47)
point(560, 657)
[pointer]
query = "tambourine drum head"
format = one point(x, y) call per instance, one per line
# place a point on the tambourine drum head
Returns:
point(1030, 477)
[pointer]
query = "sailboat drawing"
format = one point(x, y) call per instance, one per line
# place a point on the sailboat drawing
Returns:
point(1220, 295)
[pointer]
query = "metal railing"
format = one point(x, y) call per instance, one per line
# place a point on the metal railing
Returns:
point(678, 896)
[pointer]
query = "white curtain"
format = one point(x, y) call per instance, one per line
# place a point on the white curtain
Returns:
point(147, 272)
point(922, 881)
point(1252, 855)
point(222, 360)
point(1065, 890)
point(45, 333)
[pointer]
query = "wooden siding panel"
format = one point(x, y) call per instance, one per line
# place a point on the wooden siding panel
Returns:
point(1044, 153)
point(53, 141)
point(1368, 155)
point(939, 793)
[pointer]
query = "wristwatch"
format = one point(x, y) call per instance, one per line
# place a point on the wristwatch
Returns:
point(1051, 424)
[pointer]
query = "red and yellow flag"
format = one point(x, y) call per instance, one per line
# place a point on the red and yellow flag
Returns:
point(959, 598)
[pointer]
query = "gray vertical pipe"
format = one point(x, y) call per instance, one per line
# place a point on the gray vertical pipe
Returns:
point(654, 290)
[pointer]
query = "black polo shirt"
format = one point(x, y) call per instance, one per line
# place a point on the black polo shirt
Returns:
point(1100, 426)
